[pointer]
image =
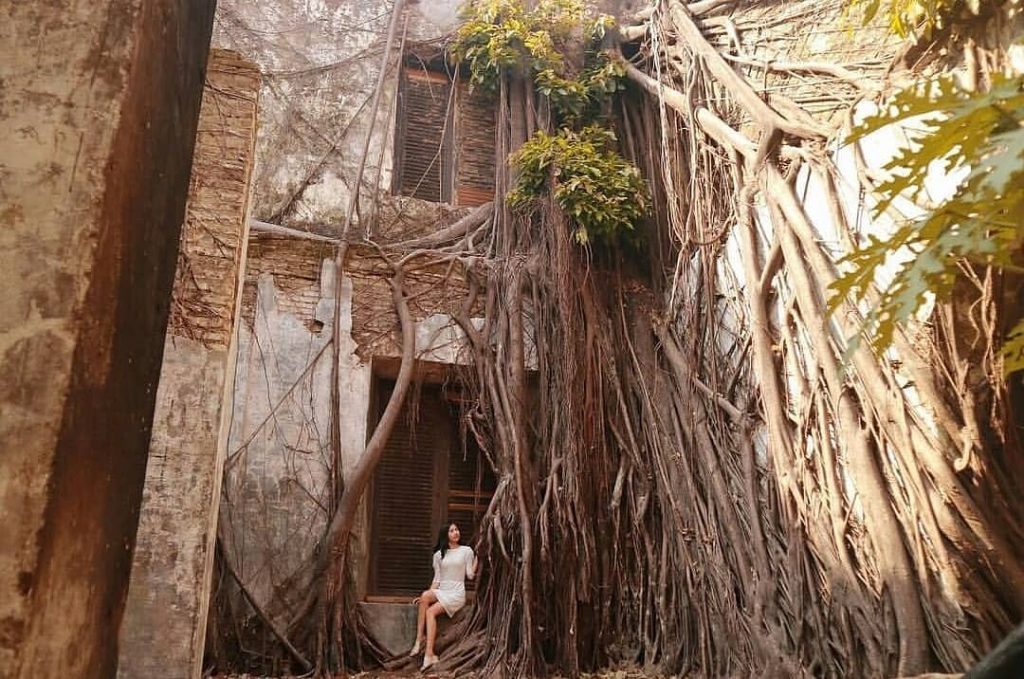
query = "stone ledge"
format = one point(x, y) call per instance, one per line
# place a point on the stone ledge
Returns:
point(393, 625)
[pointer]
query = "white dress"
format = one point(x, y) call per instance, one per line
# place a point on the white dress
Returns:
point(450, 576)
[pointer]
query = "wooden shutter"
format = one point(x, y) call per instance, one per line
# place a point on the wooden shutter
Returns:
point(406, 491)
point(471, 485)
point(423, 478)
point(423, 141)
point(474, 183)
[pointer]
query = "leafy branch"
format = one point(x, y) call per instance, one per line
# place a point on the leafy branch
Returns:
point(601, 192)
point(558, 45)
point(979, 135)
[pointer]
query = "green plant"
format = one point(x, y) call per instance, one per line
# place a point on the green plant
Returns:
point(492, 37)
point(910, 17)
point(558, 46)
point(979, 134)
point(501, 34)
point(603, 195)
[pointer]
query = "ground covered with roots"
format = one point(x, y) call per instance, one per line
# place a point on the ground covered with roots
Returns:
point(609, 674)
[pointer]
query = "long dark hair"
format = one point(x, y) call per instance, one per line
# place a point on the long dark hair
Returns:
point(442, 537)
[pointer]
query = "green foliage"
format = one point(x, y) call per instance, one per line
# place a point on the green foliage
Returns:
point(576, 99)
point(492, 37)
point(910, 17)
point(980, 135)
point(1013, 349)
point(501, 34)
point(603, 195)
point(558, 45)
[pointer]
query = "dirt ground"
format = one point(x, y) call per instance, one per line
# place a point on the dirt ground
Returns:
point(608, 674)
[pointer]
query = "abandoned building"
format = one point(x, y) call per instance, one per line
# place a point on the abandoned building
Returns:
point(271, 322)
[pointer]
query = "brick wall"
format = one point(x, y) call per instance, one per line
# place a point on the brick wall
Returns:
point(294, 265)
point(433, 289)
point(205, 285)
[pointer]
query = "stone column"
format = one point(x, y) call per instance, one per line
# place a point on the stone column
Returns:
point(98, 108)
point(165, 618)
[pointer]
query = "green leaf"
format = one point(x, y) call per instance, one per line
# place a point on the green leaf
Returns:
point(602, 193)
point(1013, 350)
point(982, 220)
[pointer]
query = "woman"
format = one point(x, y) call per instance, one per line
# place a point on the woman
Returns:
point(453, 563)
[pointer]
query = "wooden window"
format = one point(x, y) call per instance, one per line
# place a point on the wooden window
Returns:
point(426, 476)
point(471, 485)
point(423, 148)
point(476, 148)
point(405, 508)
point(444, 140)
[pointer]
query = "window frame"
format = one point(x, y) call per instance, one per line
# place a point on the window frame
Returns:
point(454, 189)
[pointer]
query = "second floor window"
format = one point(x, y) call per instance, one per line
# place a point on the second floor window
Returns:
point(444, 140)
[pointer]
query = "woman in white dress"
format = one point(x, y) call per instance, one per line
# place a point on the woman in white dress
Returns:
point(453, 563)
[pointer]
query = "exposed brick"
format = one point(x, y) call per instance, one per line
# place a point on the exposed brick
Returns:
point(203, 300)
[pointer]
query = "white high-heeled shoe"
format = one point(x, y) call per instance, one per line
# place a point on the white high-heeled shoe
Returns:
point(429, 660)
point(415, 649)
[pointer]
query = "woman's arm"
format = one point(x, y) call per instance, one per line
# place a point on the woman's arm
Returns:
point(472, 564)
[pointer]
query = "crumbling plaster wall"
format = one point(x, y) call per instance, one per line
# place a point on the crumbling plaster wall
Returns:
point(277, 477)
point(278, 465)
point(320, 60)
point(98, 110)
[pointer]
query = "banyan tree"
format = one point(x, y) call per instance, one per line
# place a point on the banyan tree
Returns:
point(706, 464)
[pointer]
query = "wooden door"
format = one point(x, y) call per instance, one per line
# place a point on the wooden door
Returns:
point(407, 488)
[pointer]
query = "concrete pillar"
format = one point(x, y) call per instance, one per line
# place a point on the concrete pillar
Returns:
point(165, 617)
point(98, 108)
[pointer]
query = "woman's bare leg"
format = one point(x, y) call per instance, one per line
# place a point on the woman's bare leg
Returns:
point(426, 599)
point(432, 613)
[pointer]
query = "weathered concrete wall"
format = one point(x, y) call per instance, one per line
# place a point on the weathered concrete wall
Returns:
point(277, 476)
point(321, 61)
point(165, 617)
point(277, 471)
point(98, 109)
